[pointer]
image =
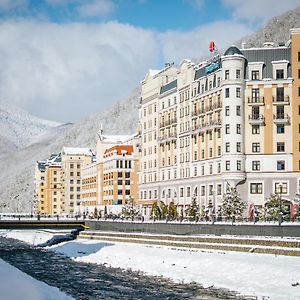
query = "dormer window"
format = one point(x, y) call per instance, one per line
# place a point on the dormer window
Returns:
point(279, 74)
point(255, 75)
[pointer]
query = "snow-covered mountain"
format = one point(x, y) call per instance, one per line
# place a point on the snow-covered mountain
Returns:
point(18, 128)
point(16, 183)
point(276, 30)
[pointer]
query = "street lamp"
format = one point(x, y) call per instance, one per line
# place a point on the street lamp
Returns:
point(280, 205)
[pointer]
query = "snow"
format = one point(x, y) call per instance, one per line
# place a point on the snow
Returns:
point(77, 151)
point(260, 275)
point(16, 285)
point(19, 128)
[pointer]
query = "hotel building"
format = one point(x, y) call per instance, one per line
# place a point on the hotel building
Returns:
point(234, 119)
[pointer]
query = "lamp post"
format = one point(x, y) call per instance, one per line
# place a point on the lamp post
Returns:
point(280, 205)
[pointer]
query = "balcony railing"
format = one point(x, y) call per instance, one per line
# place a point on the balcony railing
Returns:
point(281, 118)
point(281, 100)
point(256, 119)
point(256, 100)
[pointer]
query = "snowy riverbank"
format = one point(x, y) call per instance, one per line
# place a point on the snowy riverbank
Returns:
point(261, 275)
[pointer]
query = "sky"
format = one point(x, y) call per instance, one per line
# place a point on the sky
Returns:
point(65, 59)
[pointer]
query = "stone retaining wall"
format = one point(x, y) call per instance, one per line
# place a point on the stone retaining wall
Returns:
point(192, 229)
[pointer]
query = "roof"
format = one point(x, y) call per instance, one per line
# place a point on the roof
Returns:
point(41, 165)
point(169, 86)
point(77, 151)
point(232, 51)
point(54, 160)
point(120, 149)
point(268, 56)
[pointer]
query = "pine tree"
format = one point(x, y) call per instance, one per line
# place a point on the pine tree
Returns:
point(273, 205)
point(194, 209)
point(155, 211)
point(232, 206)
point(172, 211)
point(297, 213)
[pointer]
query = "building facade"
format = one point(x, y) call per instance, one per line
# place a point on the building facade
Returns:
point(48, 186)
point(72, 161)
point(233, 120)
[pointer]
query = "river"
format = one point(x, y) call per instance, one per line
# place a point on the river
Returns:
point(90, 281)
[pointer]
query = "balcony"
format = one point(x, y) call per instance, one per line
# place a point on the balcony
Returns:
point(281, 119)
point(218, 105)
point(281, 100)
point(256, 119)
point(198, 112)
point(256, 100)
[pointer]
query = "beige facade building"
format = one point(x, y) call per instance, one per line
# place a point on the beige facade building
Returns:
point(231, 120)
point(48, 186)
point(72, 161)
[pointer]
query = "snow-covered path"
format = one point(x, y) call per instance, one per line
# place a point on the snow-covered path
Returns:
point(16, 285)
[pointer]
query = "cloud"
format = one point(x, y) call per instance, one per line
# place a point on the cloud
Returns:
point(96, 8)
point(67, 71)
point(258, 10)
point(177, 45)
point(7, 5)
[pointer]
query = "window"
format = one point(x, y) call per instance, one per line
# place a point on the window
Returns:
point(280, 147)
point(255, 75)
point(255, 147)
point(298, 56)
point(210, 169)
point(181, 192)
point(227, 129)
point(219, 150)
point(280, 128)
point(279, 94)
point(255, 188)
point(227, 92)
point(238, 74)
point(202, 190)
point(238, 147)
point(238, 92)
point(255, 95)
point(256, 165)
point(210, 190)
point(227, 147)
point(279, 74)
point(226, 74)
point(298, 73)
point(238, 165)
point(299, 91)
point(255, 129)
point(281, 187)
point(280, 165)
point(71, 166)
point(219, 167)
point(238, 110)
point(188, 191)
point(238, 128)
point(219, 189)
point(227, 111)
point(227, 165)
